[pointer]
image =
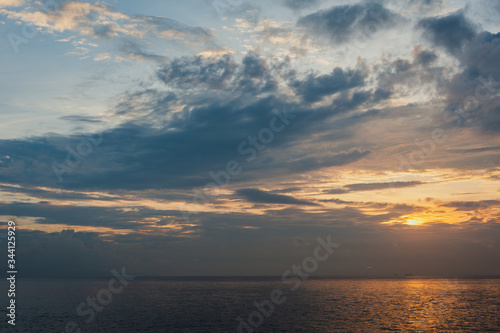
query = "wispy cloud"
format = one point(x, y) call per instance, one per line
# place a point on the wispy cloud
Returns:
point(259, 196)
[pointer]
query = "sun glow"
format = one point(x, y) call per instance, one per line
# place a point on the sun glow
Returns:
point(414, 221)
point(408, 220)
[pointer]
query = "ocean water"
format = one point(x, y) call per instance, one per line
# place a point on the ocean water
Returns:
point(213, 305)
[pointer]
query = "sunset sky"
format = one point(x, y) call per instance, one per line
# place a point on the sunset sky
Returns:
point(200, 137)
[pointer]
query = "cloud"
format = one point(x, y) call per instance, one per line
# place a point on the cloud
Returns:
point(173, 29)
point(254, 75)
point(491, 121)
point(80, 119)
point(472, 94)
point(481, 54)
point(450, 32)
point(300, 4)
point(407, 78)
point(314, 88)
point(373, 186)
point(66, 254)
point(472, 205)
point(226, 247)
point(88, 19)
point(423, 57)
point(259, 196)
point(474, 150)
point(380, 186)
point(11, 3)
point(135, 50)
point(319, 162)
point(336, 191)
point(171, 137)
point(127, 217)
point(104, 22)
point(198, 71)
point(48, 194)
point(186, 117)
point(341, 23)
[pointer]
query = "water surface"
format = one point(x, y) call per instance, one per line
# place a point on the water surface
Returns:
point(213, 305)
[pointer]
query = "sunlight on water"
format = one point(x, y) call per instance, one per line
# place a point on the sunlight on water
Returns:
point(344, 305)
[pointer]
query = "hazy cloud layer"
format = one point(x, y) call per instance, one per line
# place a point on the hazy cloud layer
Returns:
point(340, 23)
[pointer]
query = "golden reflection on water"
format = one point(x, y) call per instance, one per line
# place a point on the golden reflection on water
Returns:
point(430, 303)
point(406, 304)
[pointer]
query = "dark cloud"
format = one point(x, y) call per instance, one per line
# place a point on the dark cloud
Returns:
point(401, 65)
point(314, 88)
point(337, 201)
point(134, 49)
point(254, 75)
point(426, 2)
point(164, 145)
point(300, 4)
point(423, 57)
point(450, 32)
point(288, 190)
point(226, 248)
point(401, 77)
point(481, 55)
point(472, 205)
point(340, 23)
point(198, 71)
point(91, 216)
point(491, 121)
point(84, 119)
point(104, 31)
point(381, 186)
point(381, 94)
point(347, 103)
point(150, 27)
point(166, 26)
point(474, 150)
point(472, 94)
point(259, 196)
point(52, 193)
point(422, 6)
point(318, 162)
point(65, 254)
point(226, 243)
point(373, 186)
point(336, 191)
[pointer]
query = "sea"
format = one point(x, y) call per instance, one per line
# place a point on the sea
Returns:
point(253, 304)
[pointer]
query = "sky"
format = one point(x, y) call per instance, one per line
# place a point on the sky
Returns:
point(223, 137)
